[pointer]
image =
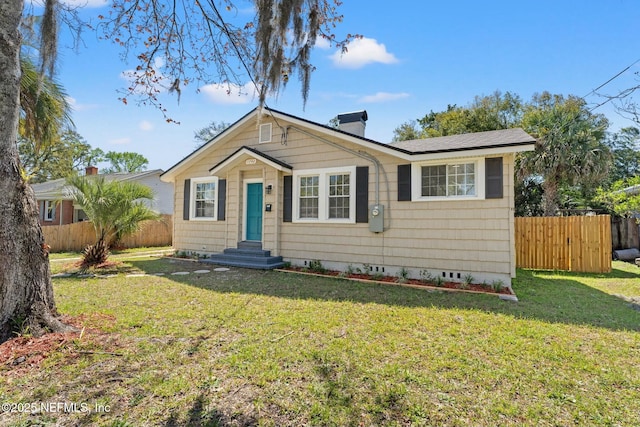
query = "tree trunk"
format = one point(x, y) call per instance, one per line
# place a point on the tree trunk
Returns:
point(26, 291)
point(550, 196)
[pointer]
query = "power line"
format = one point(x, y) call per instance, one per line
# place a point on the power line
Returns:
point(561, 127)
point(594, 91)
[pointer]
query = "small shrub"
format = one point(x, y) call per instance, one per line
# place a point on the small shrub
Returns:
point(403, 275)
point(438, 281)
point(287, 264)
point(466, 282)
point(350, 270)
point(378, 276)
point(497, 285)
point(366, 269)
point(20, 326)
point(316, 266)
point(425, 276)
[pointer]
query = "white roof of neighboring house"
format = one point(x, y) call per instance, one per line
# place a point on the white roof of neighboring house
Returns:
point(55, 189)
point(632, 191)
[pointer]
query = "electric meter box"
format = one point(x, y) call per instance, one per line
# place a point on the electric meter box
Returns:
point(376, 218)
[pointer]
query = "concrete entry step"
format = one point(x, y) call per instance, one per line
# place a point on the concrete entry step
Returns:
point(247, 255)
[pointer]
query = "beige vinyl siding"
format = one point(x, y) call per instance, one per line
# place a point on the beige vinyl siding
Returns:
point(461, 236)
point(452, 236)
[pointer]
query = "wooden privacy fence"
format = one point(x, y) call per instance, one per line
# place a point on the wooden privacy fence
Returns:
point(573, 243)
point(77, 236)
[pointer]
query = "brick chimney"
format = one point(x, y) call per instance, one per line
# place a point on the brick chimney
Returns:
point(353, 123)
point(91, 170)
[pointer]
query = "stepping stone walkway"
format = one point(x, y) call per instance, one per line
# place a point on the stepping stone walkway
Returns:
point(221, 269)
point(201, 271)
point(180, 273)
point(61, 275)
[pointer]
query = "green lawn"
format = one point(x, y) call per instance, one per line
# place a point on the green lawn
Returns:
point(249, 347)
point(57, 256)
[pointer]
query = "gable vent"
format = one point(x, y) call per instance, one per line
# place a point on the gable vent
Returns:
point(265, 133)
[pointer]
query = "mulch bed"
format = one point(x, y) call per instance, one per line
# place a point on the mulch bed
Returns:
point(25, 353)
point(450, 286)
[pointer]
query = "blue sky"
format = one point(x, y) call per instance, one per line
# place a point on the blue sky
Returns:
point(414, 58)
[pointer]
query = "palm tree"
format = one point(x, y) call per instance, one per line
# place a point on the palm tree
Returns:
point(115, 208)
point(570, 148)
point(45, 110)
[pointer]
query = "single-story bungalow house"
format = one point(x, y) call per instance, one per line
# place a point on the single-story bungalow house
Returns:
point(274, 187)
point(56, 206)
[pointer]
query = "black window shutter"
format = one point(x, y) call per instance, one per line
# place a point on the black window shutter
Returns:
point(404, 183)
point(186, 199)
point(287, 205)
point(222, 199)
point(493, 181)
point(362, 194)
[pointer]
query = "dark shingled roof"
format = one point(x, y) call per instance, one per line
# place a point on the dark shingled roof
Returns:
point(257, 153)
point(467, 141)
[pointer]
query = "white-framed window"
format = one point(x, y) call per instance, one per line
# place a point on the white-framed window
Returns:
point(340, 196)
point(204, 199)
point(309, 196)
point(448, 180)
point(324, 195)
point(49, 210)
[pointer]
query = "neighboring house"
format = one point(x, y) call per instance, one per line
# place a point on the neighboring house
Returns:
point(56, 206)
point(276, 187)
point(634, 190)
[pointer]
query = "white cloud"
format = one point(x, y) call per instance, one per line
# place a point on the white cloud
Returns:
point(145, 125)
point(383, 97)
point(322, 43)
point(120, 141)
point(229, 93)
point(86, 3)
point(361, 52)
point(76, 106)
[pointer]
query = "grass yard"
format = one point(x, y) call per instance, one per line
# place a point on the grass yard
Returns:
point(245, 347)
point(117, 253)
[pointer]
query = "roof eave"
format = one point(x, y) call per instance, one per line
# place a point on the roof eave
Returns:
point(473, 151)
point(242, 151)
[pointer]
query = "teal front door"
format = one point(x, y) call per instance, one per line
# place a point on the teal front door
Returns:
point(254, 211)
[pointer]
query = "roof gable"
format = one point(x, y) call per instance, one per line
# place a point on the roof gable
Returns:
point(512, 139)
point(253, 153)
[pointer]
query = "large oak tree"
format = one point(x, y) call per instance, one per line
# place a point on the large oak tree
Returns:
point(175, 43)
